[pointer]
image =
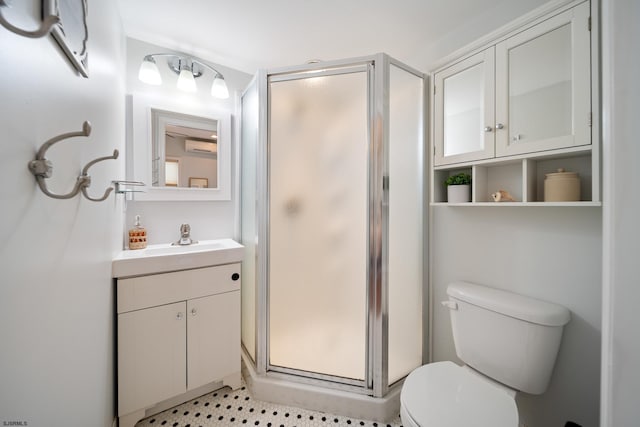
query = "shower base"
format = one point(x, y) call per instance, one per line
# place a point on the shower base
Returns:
point(279, 389)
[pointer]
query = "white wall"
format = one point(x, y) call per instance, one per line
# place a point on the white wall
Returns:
point(208, 220)
point(483, 23)
point(548, 253)
point(621, 298)
point(56, 297)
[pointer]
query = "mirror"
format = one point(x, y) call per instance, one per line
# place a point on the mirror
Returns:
point(181, 151)
point(464, 111)
point(540, 87)
point(185, 150)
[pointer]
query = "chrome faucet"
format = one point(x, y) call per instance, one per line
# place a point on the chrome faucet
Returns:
point(185, 237)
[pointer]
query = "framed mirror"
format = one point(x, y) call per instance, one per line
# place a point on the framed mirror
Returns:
point(184, 150)
point(72, 31)
point(180, 151)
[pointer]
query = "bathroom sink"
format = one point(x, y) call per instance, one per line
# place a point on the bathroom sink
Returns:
point(206, 245)
point(165, 257)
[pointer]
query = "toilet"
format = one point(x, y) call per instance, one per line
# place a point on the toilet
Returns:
point(508, 343)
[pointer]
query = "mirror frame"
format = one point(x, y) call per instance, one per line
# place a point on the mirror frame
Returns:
point(69, 25)
point(140, 148)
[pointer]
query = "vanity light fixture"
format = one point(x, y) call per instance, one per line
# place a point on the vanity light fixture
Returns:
point(187, 69)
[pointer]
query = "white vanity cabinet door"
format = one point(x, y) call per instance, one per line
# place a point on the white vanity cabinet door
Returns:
point(543, 86)
point(464, 110)
point(151, 356)
point(213, 338)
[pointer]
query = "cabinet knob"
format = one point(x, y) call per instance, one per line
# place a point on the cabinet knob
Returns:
point(179, 315)
point(235, 276)
point(499, 126)
point(488, 129)
point(193, 311)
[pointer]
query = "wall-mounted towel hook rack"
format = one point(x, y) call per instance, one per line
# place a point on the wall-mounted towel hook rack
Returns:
point(46, 26)
point(42, 168)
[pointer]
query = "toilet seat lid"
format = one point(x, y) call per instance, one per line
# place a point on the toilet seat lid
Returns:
point(444, 394)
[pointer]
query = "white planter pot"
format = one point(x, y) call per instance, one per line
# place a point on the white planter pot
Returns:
point(459, 193)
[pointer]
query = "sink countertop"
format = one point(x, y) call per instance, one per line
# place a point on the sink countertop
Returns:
point(164, 258)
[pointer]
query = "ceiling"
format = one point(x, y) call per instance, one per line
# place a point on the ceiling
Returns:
point(252, 34)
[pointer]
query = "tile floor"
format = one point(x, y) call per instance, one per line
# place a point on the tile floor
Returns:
point(225, 407)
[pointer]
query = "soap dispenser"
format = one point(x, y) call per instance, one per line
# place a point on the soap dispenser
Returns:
point(137, 236)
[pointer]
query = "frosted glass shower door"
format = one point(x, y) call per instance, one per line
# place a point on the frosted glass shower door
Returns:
point(318, 170)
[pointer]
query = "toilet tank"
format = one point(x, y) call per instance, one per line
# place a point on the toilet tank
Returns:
point(508, 337)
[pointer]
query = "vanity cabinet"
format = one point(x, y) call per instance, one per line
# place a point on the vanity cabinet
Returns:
point(520, 106)
point(178, 332)
point(213, 338)
point(151, 356)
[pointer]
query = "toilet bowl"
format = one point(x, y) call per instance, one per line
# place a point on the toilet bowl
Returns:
point(508, 343)
point(444, 394)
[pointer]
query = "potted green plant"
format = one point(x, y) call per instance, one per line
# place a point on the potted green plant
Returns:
point(458, 188)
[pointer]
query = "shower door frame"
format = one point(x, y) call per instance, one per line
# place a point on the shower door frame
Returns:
point(377, 68)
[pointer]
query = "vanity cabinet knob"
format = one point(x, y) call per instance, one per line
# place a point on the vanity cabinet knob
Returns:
point(179, 315)
point(235, 276)
point(193, 311)
point(488, 129)
point(499, 126)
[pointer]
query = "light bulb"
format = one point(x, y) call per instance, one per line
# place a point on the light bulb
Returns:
point(186, 82)
point(149, 72)
point(219, 88)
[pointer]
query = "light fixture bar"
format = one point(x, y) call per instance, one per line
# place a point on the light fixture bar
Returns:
point(187, 68)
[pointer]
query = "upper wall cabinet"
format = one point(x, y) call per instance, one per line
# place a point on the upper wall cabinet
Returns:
point(543, 86)
point(527, 93)
point(520, 104)
point(464, 115)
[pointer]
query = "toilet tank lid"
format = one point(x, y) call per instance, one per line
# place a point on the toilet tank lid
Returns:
point(510, 304)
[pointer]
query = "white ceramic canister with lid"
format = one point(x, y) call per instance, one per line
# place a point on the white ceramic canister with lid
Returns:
point(562, 186)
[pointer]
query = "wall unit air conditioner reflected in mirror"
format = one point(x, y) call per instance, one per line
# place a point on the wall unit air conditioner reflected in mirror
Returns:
point(202, 147)
point(171, 142)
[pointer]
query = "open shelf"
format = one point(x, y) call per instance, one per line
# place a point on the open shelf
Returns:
point(523, 177)
point(521, 204)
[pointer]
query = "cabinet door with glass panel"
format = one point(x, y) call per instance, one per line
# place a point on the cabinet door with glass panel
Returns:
point(464, 110)
point(543, 85)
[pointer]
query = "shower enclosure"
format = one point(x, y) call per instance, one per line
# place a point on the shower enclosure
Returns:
point(333, 221)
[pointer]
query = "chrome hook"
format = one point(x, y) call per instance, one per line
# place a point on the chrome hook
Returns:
point(108, 191)
point(42, 168)
point(47, 23)
point(81, 182)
